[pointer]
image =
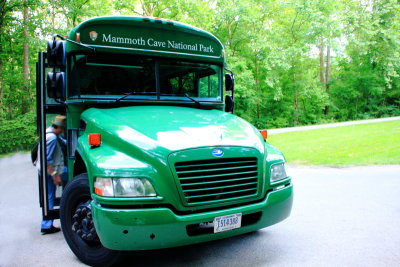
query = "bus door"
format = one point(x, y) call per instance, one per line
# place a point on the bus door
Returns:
point(47, 107)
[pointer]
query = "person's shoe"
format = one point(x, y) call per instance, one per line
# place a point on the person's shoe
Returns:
point(51, 230)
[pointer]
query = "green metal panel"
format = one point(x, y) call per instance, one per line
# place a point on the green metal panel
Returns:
point(148, 36)
point(138, 140)
point(159, 130)
point(140, 229)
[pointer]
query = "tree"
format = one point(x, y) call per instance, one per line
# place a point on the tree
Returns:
point(295, 62)
point(26, 56)
point(6, 10)
point(371, 68)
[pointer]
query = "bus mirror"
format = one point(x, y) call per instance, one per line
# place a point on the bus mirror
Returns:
point(229, 82)
point(56, 53)
point(56, 85)
point(229, 103)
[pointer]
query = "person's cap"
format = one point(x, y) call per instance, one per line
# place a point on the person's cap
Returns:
point(60, 120)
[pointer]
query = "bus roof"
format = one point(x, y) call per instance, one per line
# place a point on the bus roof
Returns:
point(147, 36)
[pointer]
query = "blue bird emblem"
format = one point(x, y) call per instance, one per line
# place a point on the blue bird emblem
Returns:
point(217, 152)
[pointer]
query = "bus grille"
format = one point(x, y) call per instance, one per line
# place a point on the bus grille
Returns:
point(216, 180)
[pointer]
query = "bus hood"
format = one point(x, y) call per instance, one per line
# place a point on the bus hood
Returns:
point(164, 129)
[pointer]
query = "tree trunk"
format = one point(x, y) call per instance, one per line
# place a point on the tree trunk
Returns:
point(1, 88)
point(321, 64)
point(296, 108)
point(327, 75)
point(10, 107)
point(25, 104)
point(257, 81)
point(328, 67)
point(2, 15)
point(296, 118)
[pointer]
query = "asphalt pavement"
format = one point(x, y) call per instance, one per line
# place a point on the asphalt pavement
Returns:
point(341, 217)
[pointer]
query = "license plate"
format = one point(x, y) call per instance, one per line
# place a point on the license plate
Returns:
point(227, 222)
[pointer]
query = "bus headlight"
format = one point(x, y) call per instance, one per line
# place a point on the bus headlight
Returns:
point(133, 187)
point(104, 187)
point(278, 172)
point(124, 187)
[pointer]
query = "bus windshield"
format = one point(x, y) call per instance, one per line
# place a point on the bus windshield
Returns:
point(112, 76)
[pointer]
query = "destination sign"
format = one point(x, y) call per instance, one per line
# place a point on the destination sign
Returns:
point(154, 39)
point(151, 42)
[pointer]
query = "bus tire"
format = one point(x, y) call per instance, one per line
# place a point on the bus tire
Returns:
point(75, 196)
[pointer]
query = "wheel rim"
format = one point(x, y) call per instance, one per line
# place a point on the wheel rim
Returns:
point(83, 225)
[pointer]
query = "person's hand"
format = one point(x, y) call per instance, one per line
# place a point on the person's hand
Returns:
point(57, 179)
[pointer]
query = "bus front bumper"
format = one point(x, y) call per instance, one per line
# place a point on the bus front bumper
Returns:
point(155, 228)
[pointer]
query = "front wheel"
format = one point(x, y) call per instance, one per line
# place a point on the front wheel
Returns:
point(78, 227)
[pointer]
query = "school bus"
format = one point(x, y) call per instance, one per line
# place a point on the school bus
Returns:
point(155, 156)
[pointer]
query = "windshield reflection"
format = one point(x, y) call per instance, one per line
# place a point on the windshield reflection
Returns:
point(143, 78)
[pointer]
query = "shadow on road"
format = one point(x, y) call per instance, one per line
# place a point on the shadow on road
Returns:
point(232, 251)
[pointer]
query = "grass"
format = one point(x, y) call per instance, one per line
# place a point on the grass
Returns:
point(364, 144)
point(6, 155)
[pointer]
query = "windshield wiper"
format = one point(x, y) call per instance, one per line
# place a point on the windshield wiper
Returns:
point(191, 98)
point(125, 96)
point(132, 93)
point(185, 95)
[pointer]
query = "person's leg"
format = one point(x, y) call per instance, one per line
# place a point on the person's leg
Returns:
point(51, 193)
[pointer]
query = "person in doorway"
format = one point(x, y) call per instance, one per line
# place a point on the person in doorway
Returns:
point(55, 166)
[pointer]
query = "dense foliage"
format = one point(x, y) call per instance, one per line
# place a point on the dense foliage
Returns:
point(18, 134)
point(296, 61)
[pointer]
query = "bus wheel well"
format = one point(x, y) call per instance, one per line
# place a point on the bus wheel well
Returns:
point(79, 165)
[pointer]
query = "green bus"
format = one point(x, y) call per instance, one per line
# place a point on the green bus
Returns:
point(155, 156)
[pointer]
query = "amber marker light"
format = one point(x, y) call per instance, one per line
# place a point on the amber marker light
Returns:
point(264, 134)
point(94, 139)
point(98, 191)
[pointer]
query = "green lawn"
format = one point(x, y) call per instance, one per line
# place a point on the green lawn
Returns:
point(365, 144)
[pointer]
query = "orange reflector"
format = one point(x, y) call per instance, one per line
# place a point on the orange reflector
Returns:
point(98, 191)
point(264, 134)
point(94, 139)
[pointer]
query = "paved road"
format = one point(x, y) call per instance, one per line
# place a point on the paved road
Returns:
point(329, 125)
point(341, 217)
